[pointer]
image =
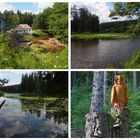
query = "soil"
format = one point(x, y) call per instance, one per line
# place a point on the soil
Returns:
point(51, 45)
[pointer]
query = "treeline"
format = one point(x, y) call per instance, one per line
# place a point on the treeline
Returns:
point(54, 20)
point(13, 19)
point(84, 21)
point(116, 26)
point(41, 83)
point(86, 78)
point(11, 88)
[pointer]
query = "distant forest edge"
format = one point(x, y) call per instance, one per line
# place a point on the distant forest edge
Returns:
point(41, 83)
point(53, 20)
point(83, 21)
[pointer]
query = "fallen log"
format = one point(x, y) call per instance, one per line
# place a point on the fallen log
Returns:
point(2, 103)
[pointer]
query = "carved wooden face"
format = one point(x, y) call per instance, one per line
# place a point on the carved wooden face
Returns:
point(119, 79)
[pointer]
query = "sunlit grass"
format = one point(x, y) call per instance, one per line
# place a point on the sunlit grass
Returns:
point(88, 36)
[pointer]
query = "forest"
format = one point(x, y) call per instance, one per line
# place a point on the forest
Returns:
point(82, 100)
point(83, 21)
point(124, 26)
point(41, 83)
point(45, 48)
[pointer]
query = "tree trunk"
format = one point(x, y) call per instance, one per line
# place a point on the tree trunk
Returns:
point(121, 126)
point(97, 92)
point(134, 81)
point(105, 86)
point(98, 125)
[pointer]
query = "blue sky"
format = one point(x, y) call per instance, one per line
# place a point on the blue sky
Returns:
point(101, 9)
point(25, 7)
point(14, 77)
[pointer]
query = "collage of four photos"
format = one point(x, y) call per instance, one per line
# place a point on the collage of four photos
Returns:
point(69, 69)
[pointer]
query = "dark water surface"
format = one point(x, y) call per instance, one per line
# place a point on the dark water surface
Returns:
point(102, 53)
point(33, 118)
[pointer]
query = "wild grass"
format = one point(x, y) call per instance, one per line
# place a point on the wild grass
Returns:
point(90, 36)
point(26, 58)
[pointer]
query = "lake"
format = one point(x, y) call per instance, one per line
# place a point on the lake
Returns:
point(22, 118)
point(102, 53)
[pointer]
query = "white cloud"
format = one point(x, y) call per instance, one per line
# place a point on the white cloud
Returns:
point(41, 6)
point(28, 11)
point(6, 6)
point(14, 77)
point(101, 9)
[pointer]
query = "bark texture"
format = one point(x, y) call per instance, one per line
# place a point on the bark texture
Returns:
point(122, 117)
point(97, 92)
point(98, 125)
point(103, 125)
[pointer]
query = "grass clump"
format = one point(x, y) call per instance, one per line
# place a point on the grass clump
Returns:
point(134, 62)
point(89, 36)
point(26, 58)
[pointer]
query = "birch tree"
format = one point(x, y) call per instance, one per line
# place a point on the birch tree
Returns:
point(97, 92)
point(105, 86)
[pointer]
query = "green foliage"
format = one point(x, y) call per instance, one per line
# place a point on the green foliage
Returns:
point(117, 26)
point(14, 18)
point(58, 21)
point(129, 9)
point(54, 20)
point(39, 21)
point(88, 36)
point(29, 38)
point(38, 49)
point(134, 62)
point(83, 20)
point(80, 97)
point(40, 34)
point(41, 83)
point(25, 58)
point(125, 9)
point(1, 94)
point(134, 106)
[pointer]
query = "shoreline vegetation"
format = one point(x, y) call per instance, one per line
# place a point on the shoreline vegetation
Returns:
point(44, 47)
point(90, 36)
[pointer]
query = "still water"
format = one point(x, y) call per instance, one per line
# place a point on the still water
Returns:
point(33, 118)
point(102, 53)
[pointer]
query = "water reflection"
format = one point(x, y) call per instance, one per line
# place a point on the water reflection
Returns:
point(32, 118)
point(102, 52)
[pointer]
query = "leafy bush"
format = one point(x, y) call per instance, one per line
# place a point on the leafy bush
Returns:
point(25, 58)
point(134, 62)
point(1, 94)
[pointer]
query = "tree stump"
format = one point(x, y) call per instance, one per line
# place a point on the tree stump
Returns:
point(121, 126)
point(98, 125)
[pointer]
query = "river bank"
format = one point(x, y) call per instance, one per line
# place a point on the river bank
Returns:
point(90, 36)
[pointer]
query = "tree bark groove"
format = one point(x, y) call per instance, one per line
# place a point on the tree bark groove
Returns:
point(102, 124)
